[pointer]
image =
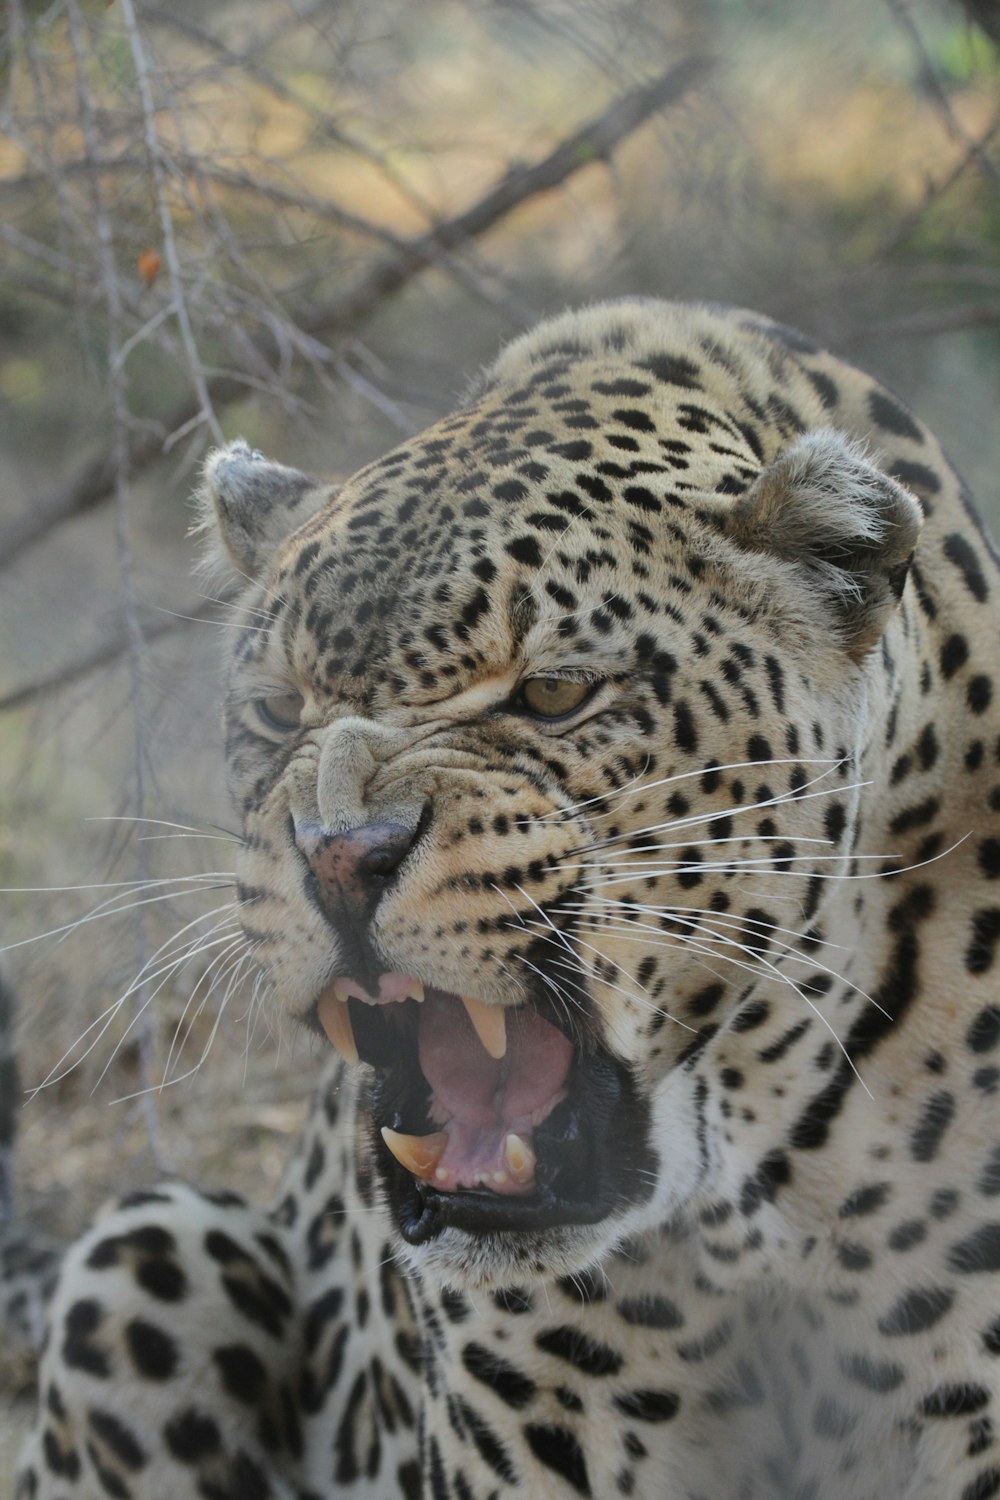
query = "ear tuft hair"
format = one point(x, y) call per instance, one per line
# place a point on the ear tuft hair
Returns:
point(247, 505)
point(824, 506)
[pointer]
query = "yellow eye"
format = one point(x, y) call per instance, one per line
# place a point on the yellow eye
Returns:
point(281, 710)
point(553, 697)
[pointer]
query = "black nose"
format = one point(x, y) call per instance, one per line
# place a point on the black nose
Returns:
point(350, 870)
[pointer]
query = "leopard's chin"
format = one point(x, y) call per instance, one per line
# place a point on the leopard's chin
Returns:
point(494, 1123)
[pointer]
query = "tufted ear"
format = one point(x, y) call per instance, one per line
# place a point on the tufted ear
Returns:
point(247, 505)
point(825, 506)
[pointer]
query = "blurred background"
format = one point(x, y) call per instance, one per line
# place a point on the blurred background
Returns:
point(308, 222)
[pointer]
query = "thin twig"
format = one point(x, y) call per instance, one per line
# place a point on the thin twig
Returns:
point(135, 650)
point(928, 324)
point(168, 238)
point(248, 65)
point(938, 93)
point(103, 655)
point(135, 644)
point(936, 190)
point(332, 320)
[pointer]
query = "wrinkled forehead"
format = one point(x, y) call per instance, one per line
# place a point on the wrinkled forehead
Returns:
point(525, 515)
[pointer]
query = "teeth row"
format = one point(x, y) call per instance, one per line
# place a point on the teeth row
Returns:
point(489, 1021)
point(420, 1155)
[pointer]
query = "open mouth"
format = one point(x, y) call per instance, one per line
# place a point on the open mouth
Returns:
point(489, 1118)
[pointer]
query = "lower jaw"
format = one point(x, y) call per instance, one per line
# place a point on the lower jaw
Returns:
point(422, 1213)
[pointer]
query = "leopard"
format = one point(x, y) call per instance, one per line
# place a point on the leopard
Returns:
point(29, 1258)
point(617, 773)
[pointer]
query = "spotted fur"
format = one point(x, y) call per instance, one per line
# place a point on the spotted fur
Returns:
point(28, 1259)
point(751, 876)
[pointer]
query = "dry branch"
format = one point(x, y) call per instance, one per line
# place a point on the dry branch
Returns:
point(939, 94)
point(935, 321)
point(93, 483)
point(105, 654)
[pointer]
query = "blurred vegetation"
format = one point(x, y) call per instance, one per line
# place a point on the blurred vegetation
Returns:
point(308, 223)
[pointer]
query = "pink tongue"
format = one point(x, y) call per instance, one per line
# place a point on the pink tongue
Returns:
point(479, 1100)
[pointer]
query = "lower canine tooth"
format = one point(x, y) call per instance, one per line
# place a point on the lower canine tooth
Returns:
point(490, 1022)
point(335, 1019)
point(419, 1154)
point(519, 1158)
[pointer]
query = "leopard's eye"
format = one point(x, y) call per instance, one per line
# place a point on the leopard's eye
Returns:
point(281, 710)
point(553, 697)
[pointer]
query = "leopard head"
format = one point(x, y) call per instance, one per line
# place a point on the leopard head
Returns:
point(530, 724)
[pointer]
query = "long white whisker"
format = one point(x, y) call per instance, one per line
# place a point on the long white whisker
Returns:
point(558, 992)
point(53, 1076)
point(107, 885)
point(166, 971)
point(725, 918)
point(706, 932)
point(644, 1000)
point(562, 938)
point(108, 1014)
point(191, 951)
point(170, 1082)
point(566, 812)
point(628, 790)
point(164, 823)
point(758, 963)
point(766, 865)
point(695, 819)
point(107, 908)
point(237, 607)
point(240, 625)
point(570, 1003)
point(235, 974)
point(710, 843)
point(169, 942)
point(200, 944)
point(226, 962)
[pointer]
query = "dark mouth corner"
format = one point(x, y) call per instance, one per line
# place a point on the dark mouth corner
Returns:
point(592, 1152)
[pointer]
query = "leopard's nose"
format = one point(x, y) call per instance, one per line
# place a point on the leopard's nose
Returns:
point(349, 871)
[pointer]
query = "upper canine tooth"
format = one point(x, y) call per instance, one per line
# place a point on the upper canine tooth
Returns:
point(416, 990)
point(335, 1019)
point(419, 1154)
point(519, 1158)
point(490, 1022)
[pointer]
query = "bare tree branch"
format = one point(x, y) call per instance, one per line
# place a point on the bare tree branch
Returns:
point(332, 320)
point(936, 189)
point(939, 320)
point(103, 655)
point(938, 93)
point(135, 645)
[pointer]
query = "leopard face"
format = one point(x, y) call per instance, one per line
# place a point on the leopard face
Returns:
point(546, 732)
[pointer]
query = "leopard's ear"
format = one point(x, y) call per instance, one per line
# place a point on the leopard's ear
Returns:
point(247, 505)
point(850, 529)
